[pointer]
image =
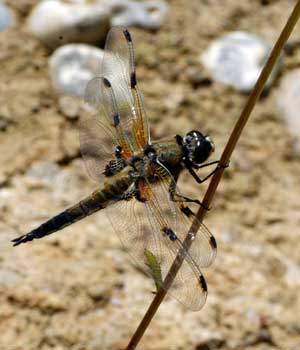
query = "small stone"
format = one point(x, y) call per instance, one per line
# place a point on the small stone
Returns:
point(6, 17)
point(150, 15)
point(73, 66)
point(237, 59)
point(56, 23)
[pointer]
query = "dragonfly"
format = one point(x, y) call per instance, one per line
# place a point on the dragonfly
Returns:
point(137, 179)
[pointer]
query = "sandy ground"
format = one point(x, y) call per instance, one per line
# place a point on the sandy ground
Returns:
point(78, 289)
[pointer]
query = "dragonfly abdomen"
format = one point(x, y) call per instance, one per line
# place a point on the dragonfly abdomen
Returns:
point(60, 221)
point(110, 191)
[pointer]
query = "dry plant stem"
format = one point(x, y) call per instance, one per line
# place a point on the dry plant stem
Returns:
point(234, 137)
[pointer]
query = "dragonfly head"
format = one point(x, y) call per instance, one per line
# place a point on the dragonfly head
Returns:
point(198, 146)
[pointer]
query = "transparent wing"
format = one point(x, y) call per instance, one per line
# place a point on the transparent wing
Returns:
point(119, 68)
point(189, 285)
point(99, 131)
point(142, 228)
point(204, 248)
point(117, 118)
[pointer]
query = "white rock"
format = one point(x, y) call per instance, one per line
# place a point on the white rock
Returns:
point(72, 66)
point(237, 59)
point(55, 22)
point(6, 17)
point(150, 14)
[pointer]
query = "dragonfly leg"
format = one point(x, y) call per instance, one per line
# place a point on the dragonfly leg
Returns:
point(177, 197)
point(187, 211)
point(198, 179)
point(206, 164)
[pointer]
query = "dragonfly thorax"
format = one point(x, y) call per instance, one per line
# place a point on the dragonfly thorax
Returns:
point(142, 163)
point(198, 147)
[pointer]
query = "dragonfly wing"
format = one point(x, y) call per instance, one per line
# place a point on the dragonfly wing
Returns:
point(117, 120)
point(132, 226)
point(189, 286)
point(139, 236)
point(145, 229)
point(100, 131)
point(204, 248)
point(119, 68)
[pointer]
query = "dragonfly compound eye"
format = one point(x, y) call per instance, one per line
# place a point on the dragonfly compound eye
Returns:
point(199, 146)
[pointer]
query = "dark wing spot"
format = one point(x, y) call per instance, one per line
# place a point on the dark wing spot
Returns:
point(116, 119)
point(127, 35)
point(213, 242)
point(203, 283)
point(170, 233)
point(133, 80)
point(106, 82)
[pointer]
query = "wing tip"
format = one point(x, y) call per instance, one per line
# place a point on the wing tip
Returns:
point(106, 82)
point(213, 242)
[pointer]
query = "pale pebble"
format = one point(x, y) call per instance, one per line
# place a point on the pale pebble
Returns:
point(72, 66)
point(56, 23)
point(150, 14)
point(237, 59)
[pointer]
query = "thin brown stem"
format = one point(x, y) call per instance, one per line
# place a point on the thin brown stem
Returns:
point(207, 200)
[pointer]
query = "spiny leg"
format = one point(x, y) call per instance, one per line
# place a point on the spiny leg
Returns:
point(186, 210)
point(197, 178)
point(206, 164)
point(182, 199)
